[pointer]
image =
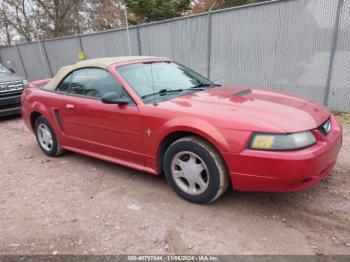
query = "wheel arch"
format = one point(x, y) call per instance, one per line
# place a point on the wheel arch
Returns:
point(36, 110)
point(214, 138)
point(34, 115)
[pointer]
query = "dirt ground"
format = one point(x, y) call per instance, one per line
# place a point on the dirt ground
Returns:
point(78, 205)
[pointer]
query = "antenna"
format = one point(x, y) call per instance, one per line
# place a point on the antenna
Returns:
point(151, 63)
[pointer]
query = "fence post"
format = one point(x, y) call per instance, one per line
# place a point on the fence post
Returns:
point(47, 58)
point(21, 58)
point(1, 62)
point(332, 51)
point(209, 43)
point(81, 45)
point(139, 40)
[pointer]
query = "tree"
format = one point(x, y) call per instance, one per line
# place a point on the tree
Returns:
point(58, 17)
point(104, 15)
point(21, 20)
point(199, 6)
point(15, 16)
point(155, 10)
point(5, 30)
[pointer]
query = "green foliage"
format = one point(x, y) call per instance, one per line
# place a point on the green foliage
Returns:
point(230, 3)
point(153, 10)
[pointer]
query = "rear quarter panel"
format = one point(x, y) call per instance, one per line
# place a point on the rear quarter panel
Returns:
point(43, 102)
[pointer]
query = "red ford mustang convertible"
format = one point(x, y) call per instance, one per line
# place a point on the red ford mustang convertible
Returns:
point(154, 115)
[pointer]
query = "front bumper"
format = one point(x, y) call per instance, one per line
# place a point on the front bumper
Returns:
point(272, 171)
point(10, 103)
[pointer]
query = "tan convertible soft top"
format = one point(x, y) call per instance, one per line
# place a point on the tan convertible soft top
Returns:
point(97, 62)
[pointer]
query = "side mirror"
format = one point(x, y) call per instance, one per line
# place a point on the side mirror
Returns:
point(114, 98)
point(12, 71)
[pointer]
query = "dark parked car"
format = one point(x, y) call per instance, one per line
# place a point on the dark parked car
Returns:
point(11, 88)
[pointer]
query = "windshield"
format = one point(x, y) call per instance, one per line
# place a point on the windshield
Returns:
point(166, 76)
point(3, 70)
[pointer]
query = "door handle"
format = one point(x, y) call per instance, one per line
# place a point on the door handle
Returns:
point(69, 106)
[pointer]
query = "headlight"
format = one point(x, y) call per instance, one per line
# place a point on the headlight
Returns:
point(294, 141)
point(25, 82)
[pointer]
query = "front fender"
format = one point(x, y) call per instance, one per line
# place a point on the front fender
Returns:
point(193, 125)
point(197, 126)
point(223, 139)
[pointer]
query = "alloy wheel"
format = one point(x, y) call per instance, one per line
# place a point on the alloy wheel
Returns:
point(190, 172)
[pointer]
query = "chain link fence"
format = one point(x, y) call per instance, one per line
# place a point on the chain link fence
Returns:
point(297, 46)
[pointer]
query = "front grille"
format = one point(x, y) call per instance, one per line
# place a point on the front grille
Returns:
point(10, 102)
point(326, 127)
point(11, 86)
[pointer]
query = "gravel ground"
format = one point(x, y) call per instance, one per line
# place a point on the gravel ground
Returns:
point(78, 205)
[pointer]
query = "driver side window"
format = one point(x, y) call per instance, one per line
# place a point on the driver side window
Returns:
point(64, 85)
point(91, 82)
point(94, 82)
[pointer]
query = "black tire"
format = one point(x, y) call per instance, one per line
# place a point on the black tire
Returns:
point(54, 149)
point(215, 173)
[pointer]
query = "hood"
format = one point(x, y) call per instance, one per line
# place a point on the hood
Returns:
point(252, 109)
point(10, 77)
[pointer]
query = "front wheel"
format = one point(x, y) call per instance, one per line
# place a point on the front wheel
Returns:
point(195, 170)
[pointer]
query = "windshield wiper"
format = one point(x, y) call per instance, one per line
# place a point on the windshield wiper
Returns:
point(205, 85)
point(163, 92)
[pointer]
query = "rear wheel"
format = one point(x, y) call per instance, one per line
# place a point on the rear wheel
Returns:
point(195, 170)
point(46, 137)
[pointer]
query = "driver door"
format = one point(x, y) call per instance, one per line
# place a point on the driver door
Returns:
point(90, 125)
